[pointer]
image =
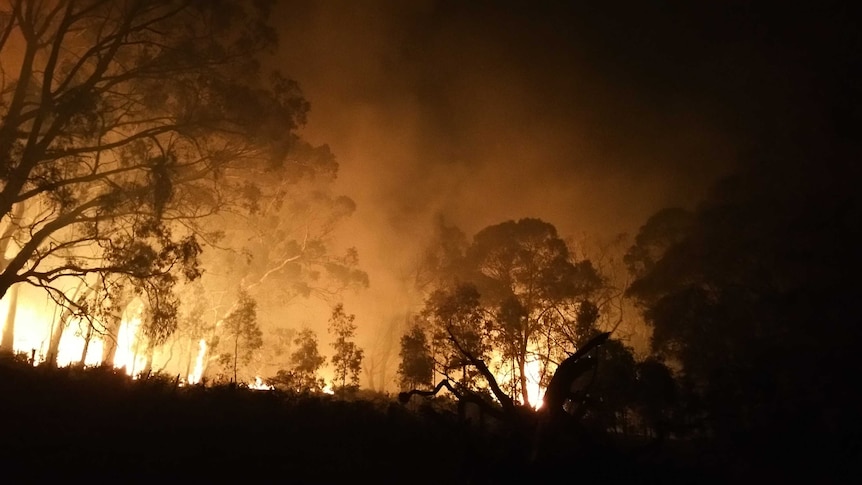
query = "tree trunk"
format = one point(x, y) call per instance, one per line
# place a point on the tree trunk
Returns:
point(56, 336)
point(109, 350)
point(6, 238)
point(522, 370)
point(148, 366)
point(87, 338)
point(7, 344)
point(57, 332)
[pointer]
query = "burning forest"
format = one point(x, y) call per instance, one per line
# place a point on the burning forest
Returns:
point(511, 243)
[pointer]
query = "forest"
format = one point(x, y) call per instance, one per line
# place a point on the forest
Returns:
point(181, 300)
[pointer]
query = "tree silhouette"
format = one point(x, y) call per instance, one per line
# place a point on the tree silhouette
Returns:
point(307, 361)
point(122, 126)
point(517, 290)
point(747, 298)
point(243, 334)
point(416, 369)
point(347, 361)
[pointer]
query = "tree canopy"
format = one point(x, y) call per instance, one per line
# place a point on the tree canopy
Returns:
point(750, 297)
point(516, 289)
point(124, 123)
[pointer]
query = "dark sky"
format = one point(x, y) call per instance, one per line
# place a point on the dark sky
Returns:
point(590, 115)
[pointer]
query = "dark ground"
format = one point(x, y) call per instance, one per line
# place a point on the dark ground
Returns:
point(98, 425)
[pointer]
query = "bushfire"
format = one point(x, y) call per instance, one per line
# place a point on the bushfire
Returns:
point(83, 342)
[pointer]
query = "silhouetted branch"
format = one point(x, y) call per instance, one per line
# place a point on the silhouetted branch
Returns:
point(559, 389)
point(505, 400)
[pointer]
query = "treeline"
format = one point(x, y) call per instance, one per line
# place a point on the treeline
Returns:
point(749, 300)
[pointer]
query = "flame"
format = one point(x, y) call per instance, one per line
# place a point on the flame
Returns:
point(327, 389)
point(532, 371)
point(130, 346)
point(197, 373)
point(28, 328)
point(535, 392)
point(259, 385)
point(34, 324)
point(72, 345)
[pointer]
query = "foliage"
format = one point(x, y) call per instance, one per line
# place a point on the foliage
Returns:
point(243, 334)
point(613, 392)
point(657, 396)
point(278, 249)
point(125, 124)
point(456, 315)
point(416, 369)
point(306, 361)
point(517, 290)
point(347, 360)
point(747, 296)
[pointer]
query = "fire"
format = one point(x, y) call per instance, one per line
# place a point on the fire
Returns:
point(35, 321)
point(72, 346)
point(533, 370)
point(259, 385)
point(129, 347)
point(197, 373)
point(327, 389)
point(34, 324)
point(29, 332)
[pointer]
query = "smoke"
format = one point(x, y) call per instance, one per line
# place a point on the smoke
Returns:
point(482, 112)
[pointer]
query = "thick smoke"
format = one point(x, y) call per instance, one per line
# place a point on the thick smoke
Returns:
point(482, 112)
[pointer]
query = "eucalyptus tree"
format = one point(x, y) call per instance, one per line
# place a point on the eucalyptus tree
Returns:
point(416, 369)
point(124, 124)
point(347, 360)
point(279, 247)
point(243, 332)
point(532, 285)
point(514, 290)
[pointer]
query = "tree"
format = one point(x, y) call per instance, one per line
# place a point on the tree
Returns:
point(416, 370)
point(278, 249)
point(460, 331)
point(749, 299)
point(528, 286)
point(307, 361)
point(123, 124)
point(347, 360)
point(657, 395)
point(243, 332)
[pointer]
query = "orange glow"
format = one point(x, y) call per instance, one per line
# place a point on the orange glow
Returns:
point(533, 370)
point(33, 326)
point(131, 353)
point(259, 385)
point(72, 345)
point(30, 329)
point(197, 372)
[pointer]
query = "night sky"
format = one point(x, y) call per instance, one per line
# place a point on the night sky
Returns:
point(590, 115)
